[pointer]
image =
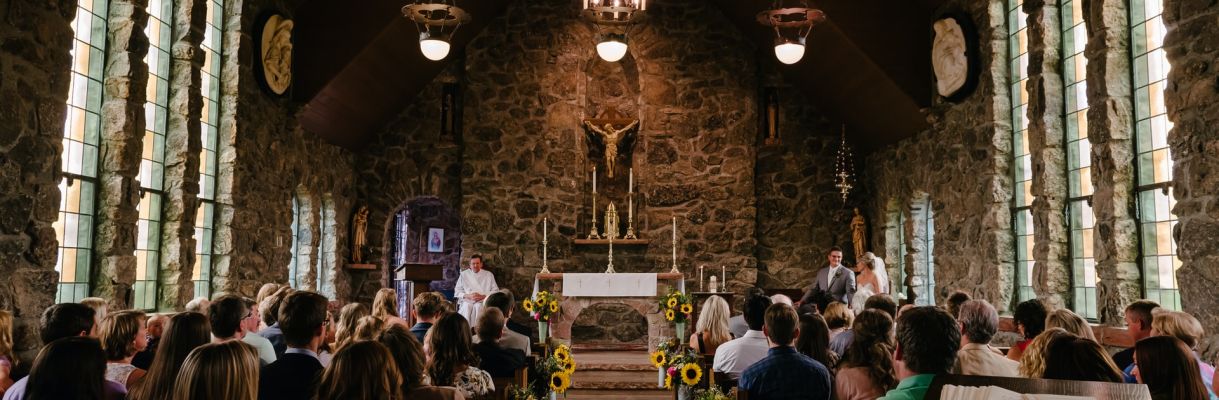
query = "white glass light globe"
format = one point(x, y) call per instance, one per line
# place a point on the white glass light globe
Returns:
point(434, 49)
point(789, 53)
point(611, 50)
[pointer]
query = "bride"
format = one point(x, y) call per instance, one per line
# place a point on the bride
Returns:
point(872, 279)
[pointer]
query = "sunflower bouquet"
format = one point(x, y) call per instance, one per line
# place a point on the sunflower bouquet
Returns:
point(676, 307)
point(677, 363)
point(542, 306)
point(558, 368)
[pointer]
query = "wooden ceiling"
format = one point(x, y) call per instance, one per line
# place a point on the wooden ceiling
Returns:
point(868, 66)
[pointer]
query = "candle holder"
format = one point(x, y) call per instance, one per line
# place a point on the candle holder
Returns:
point(609, 268)
point(593, 235)
point(545, 267)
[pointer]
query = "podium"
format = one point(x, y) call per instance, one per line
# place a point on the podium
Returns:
point(419, 276)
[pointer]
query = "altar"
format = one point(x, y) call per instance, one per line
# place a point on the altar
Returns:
point(639, 291)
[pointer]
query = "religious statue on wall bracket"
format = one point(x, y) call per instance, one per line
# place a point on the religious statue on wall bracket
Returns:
point(275, 54)
point(954, 56)
point(610, 134)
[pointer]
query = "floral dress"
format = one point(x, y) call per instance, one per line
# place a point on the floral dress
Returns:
point(472, 382)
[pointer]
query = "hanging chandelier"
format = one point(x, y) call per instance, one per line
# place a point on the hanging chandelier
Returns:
point(792, 26)
point(612, 17)
point(437, 20)
point(844, 168)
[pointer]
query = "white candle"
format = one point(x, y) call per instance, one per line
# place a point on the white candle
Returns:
point(724, 273)
point(545, 222)
point(674, 240)
point(594, 179)
point(630, 209)
point(700, 277)
point(630, 185)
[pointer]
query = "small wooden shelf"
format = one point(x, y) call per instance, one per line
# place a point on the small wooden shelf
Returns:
point(617, 242)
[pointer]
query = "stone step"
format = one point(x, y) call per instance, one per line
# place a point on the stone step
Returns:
point(614, 394)
point(609, 378)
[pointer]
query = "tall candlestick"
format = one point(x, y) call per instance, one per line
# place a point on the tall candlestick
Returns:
point(674, 270)
point(594, 179)
point(700, 277)
point(724, 274)
point(630, 183)
point(630, 210)
point(545, 223)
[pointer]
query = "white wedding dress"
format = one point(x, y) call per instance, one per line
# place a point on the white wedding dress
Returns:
point(863, 292)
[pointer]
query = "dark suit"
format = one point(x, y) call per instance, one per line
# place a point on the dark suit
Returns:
point(420, 330)
point(839, 289)
point(290, 377)
point(276, 337)
point(498, 361)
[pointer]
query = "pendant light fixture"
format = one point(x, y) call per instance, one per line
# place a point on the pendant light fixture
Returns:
point(437, 20)
point(792, 24)
point(612, 18)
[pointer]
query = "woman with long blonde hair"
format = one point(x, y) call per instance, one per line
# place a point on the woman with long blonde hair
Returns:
point(6, 350)
point(123, 334)
point(1071, 322)
point(226, 370)
point(349, 316)
point(712, 328)
point(385, 306)
point(364, 370)
point(369, 328)
point(1032, 362)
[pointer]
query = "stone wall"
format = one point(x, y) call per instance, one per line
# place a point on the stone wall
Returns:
point(961, 167)
point(1193, 106)
point(34, 80)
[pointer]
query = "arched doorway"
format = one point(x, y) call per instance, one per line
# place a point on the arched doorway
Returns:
point(423, 230)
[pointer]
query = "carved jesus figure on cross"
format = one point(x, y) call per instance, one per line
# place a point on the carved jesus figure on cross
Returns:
point(610, 137)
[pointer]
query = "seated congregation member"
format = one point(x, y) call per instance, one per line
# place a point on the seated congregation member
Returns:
point(365, 370)
point(785, 373)
point(155, 326)
point(955, 300)
point(198, 304)
point(1187, 328)
point(814, 341)
point(67, 320)
point(1138, 316)
point(1169, 369)
point(100, 309)
point(269, 309)
point(368, 328)
point(385, 307)
point(733, 357)
point(881, 302)
point(866, 370)
point(498, 360)
point(225, 314)
point(184, 333)
point(712, 328)
point(1079, 359)
point(927, 343)
point(349, 317)
point(71, 368)
point(1032, 363)
point(839, 318)
point(503, 301)
point(1029, 318)
point(408, 355)
point(223, 370)
point(249, 333)
point(451, 358)
point(737, 324)
point(513, 326)
point(473, 286)
point(6, 351)
point(1071, 322)
point(326, 351)
point(266, 290)
point(302, 318)
point(428, 306)
point(979, 321)
point(122, 335)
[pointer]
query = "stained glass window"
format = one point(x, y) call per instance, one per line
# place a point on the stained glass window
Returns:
point(78, 188)
point(1022, 161)
point(205, 216)
point(152, 158)
point(400, 238)
point(296, 248)
point(929, 251)
point(1079, 159)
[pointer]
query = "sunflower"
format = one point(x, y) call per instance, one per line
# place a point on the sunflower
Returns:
point(560, 381)
point(668, 381)
point(554, 306)
point(658, 359)
point(562, 354)
point(528, 305)
point(672, 302)
point(686, 308)
point(669, 315)
point(569, 366)
point(691, 373)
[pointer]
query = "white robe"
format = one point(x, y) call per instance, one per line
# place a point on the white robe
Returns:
point(470, 282)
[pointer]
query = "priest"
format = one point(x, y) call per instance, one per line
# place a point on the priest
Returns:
point(473, 286)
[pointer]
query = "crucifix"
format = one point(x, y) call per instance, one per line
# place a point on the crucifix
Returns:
point(613, 133)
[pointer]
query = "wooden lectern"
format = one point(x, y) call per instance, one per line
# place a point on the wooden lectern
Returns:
point(420, 275)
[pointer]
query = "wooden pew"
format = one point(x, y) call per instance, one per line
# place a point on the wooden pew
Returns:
point(520, 379)
point(1100, 390)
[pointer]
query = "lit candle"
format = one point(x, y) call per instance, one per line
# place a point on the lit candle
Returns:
point(700, 277)
point(545, 224)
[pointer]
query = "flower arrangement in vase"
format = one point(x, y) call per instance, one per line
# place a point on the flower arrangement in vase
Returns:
point(678, 364)
point(677, 307)
point(558, 367)
point(542, 307)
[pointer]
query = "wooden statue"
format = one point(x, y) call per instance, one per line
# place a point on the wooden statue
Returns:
point(359, 227)
point(859, 233)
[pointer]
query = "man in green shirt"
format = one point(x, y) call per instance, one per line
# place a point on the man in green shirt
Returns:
point(927, 343)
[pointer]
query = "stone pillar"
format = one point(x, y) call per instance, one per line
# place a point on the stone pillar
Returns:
point(122, 133)
point(1111, 130)
point(182, 145)
point(1052, 267)
point(34, 80)
point(1193, 106)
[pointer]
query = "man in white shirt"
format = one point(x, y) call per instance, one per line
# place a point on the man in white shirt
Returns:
point(979, 321)
point(249, 325)
point(509, 340)
point(473, 286)
point(738, 354)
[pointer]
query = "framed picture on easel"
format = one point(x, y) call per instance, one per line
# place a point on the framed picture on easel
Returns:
point(435, 240)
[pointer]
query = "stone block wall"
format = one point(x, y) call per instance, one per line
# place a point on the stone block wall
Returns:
point(34, 80)
point(961, 166)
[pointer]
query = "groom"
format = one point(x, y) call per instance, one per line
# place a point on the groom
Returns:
point(833, 283)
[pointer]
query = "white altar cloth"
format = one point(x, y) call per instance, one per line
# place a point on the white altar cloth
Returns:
point(609, 285)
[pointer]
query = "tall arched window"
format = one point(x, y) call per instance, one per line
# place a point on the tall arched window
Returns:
point(401, 230)
point(1022, 160)
point(152, 163)
point(293, 263)
point(78, 188)
point(1079, 159)
point(1153, 165)
point(929, 251)
point(205, 217)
